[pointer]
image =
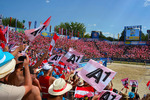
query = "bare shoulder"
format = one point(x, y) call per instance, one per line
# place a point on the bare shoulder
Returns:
point(52, 78)
point(35, 89)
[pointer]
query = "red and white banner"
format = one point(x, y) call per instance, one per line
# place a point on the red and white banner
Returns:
point(97, 75)
point(53, 42)
point(32, 33)
point(60, 31)
point(125, 82)
point(84, 91)
point(58, 70)
point(2, 37)
point(109, 95)
point(5, 30)
point(55, 58)
point(60, 64)
point(148, 85)
point(72, 58)
point(134, 83)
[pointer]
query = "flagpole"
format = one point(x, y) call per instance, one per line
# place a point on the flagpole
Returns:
point(7, 35)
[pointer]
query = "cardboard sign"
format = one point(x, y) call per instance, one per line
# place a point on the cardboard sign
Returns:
point(97, 75)
point(134, 83)
point(55, 58)
point(109, 95)
point(72, 58)
point(125, 82)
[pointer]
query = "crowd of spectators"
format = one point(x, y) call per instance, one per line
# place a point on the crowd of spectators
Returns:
point(19, 79)
point(89, 49)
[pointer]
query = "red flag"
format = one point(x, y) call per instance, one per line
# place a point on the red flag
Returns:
point(53, 42)
point(29, 24)
point(50, 28)
point(84, 91)
point(60, 31)
point(2, 37)
point(32, 33)
point(2, 45)
point(10, 21)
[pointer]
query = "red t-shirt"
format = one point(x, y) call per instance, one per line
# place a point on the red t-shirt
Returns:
point(44, 82)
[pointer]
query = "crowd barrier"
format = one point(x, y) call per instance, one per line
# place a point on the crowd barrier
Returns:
point(131, 60)
point(120, 59)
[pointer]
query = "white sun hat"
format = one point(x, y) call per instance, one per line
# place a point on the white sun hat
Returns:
point(59, 87)
point(7, 63)
point(46, 67)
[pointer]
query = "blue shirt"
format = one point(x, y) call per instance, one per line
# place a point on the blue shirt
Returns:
point(131, 94)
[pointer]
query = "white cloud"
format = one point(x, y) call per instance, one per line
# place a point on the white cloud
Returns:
point(144, 27)
point(90, 25)
point(108, 34)
point(146, 3)
point(94, 24)
point(47, 1)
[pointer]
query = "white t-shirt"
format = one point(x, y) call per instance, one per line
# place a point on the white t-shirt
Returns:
point(10, 92)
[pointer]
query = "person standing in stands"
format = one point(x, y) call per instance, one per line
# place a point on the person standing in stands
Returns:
point(58, 89)
point(7, 65)
point(46, 80)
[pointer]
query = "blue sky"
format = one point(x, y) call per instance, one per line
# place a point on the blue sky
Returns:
point(108, 16)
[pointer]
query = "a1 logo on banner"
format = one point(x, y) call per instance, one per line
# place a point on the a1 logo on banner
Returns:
point(97, 75)
point(125, 82)
point(55, 58)
point(72, 58)
point(32, 33)
point(109, 95)
point(134, 83)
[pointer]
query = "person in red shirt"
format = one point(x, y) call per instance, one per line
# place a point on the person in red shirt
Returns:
point(46, 80)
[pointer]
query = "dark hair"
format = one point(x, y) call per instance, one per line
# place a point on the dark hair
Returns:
point(31, 69)
point(45, 71)
point(133, 90)
point(17, 65)
point(53, 96)
point(115, 90)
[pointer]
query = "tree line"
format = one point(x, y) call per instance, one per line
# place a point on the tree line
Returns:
point(75, 28)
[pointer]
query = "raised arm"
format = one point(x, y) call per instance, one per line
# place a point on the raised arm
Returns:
point(28, 81)
point(121, 90)
point(6, 49)
point(20, 48)
point(50, 74)
point(40, 61)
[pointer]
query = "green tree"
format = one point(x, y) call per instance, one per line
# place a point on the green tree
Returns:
point(73, 26)
point(101, 36)
point(6, 22)
point(122, 36)
point(87, 36)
